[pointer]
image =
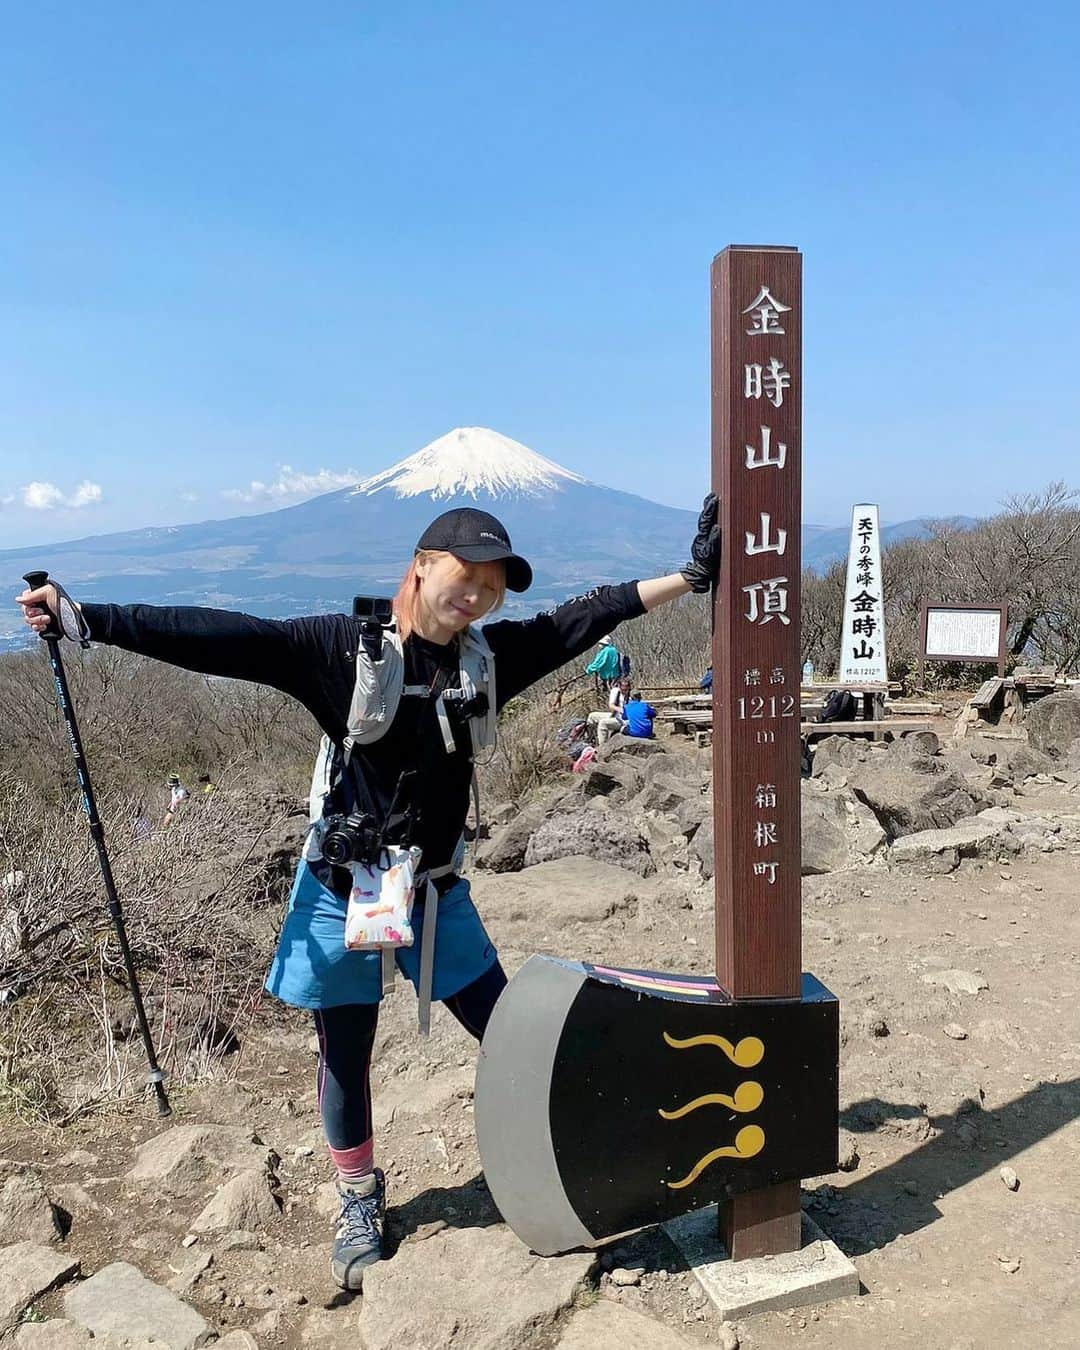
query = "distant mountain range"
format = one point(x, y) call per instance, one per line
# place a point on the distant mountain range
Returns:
point(314, 557)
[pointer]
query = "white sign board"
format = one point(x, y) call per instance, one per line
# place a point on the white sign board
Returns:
point(960, 633)
point(862, 636)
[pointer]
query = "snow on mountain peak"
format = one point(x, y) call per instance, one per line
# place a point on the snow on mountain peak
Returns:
point(468, 461)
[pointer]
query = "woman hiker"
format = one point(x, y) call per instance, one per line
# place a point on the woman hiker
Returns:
point(404, 708)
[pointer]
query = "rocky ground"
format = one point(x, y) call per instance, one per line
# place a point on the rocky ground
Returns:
point(940, 904)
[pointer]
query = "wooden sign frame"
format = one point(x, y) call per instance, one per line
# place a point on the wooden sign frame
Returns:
point(1000, 607)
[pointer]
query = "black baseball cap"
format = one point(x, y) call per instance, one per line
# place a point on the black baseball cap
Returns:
point(476, 536)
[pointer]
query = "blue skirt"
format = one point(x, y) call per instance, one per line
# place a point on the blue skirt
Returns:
point(313, 969)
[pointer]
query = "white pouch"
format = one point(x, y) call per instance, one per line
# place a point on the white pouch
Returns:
point(381, 902)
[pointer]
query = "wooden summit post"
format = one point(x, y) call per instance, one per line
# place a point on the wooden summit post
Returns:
point(757, 475)
point(608, 1099)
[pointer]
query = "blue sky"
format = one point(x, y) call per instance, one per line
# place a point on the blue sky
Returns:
point(240, 236)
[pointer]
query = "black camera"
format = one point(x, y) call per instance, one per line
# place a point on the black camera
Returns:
point(351, 839)
point(378, 607)
point(375, 613)
point(461, 707)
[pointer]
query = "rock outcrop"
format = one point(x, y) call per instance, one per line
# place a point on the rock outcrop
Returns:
point(1053, 727)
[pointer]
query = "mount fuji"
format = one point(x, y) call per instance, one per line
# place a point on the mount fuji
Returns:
point(315, 556)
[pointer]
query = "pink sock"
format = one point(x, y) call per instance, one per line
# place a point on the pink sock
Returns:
point(354, 1164)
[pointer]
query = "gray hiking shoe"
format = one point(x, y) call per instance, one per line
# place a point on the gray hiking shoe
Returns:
point(358, 1241)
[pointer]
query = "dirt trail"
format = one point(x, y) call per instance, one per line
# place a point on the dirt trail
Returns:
point(948, 1255)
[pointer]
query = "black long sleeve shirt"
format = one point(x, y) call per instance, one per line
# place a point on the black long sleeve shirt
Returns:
point(314, 660)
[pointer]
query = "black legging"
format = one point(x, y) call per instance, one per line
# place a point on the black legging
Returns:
point(346, 1036)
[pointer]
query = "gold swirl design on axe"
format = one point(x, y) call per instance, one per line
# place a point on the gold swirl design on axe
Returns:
point(745, 1053)
point(749, 1141)
point(747, 1097)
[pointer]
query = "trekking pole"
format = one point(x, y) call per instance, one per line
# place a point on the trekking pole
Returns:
point(52, 637)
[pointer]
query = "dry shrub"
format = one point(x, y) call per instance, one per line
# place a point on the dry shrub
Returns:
point(140, 720)
point(201, 900)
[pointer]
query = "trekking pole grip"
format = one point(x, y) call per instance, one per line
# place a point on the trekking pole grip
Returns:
point(35, 580)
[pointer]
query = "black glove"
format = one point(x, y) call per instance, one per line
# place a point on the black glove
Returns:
point(704, 565)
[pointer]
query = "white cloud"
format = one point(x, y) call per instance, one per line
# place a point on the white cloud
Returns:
point(189, 496)
point(293, 485)
point(39, 496)
point(86, 494)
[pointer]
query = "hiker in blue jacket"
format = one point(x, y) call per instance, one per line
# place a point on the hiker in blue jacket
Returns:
point(606, 665)
point(404, 707)
point(639, 717)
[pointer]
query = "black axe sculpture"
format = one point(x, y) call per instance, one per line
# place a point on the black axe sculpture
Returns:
point(609, 1099)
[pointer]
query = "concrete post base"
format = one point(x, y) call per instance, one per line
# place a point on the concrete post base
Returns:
point(816, 1273)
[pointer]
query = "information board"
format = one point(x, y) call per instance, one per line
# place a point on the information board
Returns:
point(974, 633)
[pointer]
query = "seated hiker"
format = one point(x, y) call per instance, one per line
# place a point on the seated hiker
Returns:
point(610, 722)
point(639, 717)
point(607, 663)
point(571, 736)
point(706, 681)
point(393, 779)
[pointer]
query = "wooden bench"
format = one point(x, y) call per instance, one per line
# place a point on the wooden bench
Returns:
point(990, 692)
point(696, 723)
point(874, 727)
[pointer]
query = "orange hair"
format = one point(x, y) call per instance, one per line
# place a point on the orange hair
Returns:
point(407, 599)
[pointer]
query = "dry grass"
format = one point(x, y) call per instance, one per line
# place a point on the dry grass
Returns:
point(200, 901)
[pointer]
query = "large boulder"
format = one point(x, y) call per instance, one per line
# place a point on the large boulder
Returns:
point(666, 793)
point(909, 792)
point(505, 850)
point(609, 836)
point(703, 849)
point(842, 751)
point(246, 1201)
point(837, 829)
point(120, 1301)
point(693, 813)
point(941, 850)
point(186, 1158)
point(673, 765)
point(618, 778)
point(636, 747)
point(566, 890)
point(26, 1211)
point(475, 1287)
point(27, 1271)
point(1053, 726)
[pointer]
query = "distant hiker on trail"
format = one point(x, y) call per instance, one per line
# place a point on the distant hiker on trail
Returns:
point(705, 684)
point(606, 665)
point(406, 702)
point(178, 794)
point(639, 717)
point(610, 721)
